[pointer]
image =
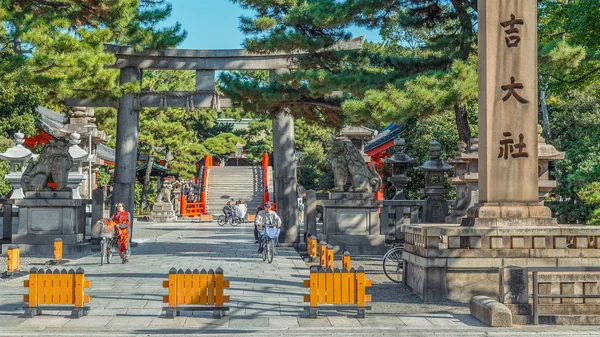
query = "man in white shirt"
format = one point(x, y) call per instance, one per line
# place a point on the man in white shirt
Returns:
point(267, 217)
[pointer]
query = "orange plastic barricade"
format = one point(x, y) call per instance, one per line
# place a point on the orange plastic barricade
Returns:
point(339, 289)
point(14, 259)
point(58, 251)
point(56, 290)
point(188, 288)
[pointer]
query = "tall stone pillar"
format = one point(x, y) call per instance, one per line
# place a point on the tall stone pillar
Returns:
point(284, 165)
point(127, 146)
point(508, 153)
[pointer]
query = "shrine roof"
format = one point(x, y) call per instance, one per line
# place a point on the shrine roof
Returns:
point(388, 134)
point(50, 121)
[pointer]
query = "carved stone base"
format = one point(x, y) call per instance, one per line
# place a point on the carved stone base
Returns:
point(163, 212)
point(509, 214)
point(353, 224)
point(450, 262)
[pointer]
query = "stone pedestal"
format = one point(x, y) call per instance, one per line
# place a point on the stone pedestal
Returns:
point(450, 262)
point(46, 216)
point(163, 212)
point(351, 222)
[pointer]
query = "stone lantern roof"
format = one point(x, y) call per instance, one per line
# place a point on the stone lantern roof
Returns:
point(358, 132)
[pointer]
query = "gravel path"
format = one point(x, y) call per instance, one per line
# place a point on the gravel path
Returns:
point(393, 298)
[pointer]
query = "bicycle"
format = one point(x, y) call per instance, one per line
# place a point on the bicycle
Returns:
point(268, 243)
point(108, 243)
point(231, 219)
point(393, 263)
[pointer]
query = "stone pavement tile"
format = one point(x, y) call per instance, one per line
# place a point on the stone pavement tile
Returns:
point(154, 304)
point(144, 312)
point(340, 321)
point(7, 321)
point(106, 312)
point(45, 321)
point(288, 322)
point(89, 322)
point(127, 304)
point(169, 323)
point(206, 322)
point(129, 322)
point(381, 321)
point(248, 322)
point(415, 321)
point(321, 322)
point(445, 322)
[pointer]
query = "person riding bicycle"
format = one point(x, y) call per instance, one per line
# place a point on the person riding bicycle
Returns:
point(228, 210)
point(121, 218)
point(266, 217)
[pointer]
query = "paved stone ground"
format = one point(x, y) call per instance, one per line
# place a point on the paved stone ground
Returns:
point(266, 299)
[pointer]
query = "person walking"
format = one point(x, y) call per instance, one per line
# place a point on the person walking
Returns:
point(121, 219)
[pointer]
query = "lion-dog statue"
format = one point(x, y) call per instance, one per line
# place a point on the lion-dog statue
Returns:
point(348, 163)
point(54, 164)
point(165, 192)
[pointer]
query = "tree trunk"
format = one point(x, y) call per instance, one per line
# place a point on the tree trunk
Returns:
point(544, 106)
point(462, 123)
point(144, 202)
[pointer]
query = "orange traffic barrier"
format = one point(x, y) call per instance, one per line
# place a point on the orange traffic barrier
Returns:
point(323, 253)
point(346, 260)
point(195, 288)
point(311, 246)
point(58, 250)
point(344, 289)
point(330, 258)
point(14, 258)
point(56, 287)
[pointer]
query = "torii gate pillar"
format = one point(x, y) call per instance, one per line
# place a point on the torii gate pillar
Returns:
point(284, 165)
point(127, 140)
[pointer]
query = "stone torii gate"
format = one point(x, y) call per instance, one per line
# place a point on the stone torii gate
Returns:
point(205, 62)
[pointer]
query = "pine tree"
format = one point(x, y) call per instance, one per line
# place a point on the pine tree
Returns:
point(442, 34)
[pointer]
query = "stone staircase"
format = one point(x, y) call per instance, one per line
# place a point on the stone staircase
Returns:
point(236, 182)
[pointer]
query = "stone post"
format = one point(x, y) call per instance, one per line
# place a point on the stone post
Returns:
point(311, 212)
point(127, 146)
point(508, 101)
point(284, 164)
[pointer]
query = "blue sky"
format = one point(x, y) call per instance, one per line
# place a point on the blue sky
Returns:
point(213, 24)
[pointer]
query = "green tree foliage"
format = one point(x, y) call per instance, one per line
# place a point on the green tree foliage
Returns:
point(442, 33)
point(59, 44)
point(223, 145)
point(18, 102)
point(576, 124)
point(313, 142)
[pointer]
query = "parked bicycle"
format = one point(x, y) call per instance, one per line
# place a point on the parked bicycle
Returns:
point(231, 219)
point(268, 243)
point(393, 263)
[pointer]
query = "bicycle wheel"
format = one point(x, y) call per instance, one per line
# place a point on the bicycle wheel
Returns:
point(236, 221)
point(222, 220)
point(103, 247)
point(264, 249)
point(271, 251)
point(110, 251)
point(392, 264)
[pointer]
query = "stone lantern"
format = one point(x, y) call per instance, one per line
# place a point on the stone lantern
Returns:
point(400, 162)
point(436, 207)
point(17, 155)
point(79, 155)
point(546, 153)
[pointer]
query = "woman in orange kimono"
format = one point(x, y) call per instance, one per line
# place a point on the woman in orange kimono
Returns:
point(121, 218)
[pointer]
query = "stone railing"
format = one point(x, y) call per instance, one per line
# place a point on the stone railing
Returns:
point(441, 240)
point(396, 213)
point(551, 295)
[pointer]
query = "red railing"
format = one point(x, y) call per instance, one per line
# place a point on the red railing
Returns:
point(196, 209)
